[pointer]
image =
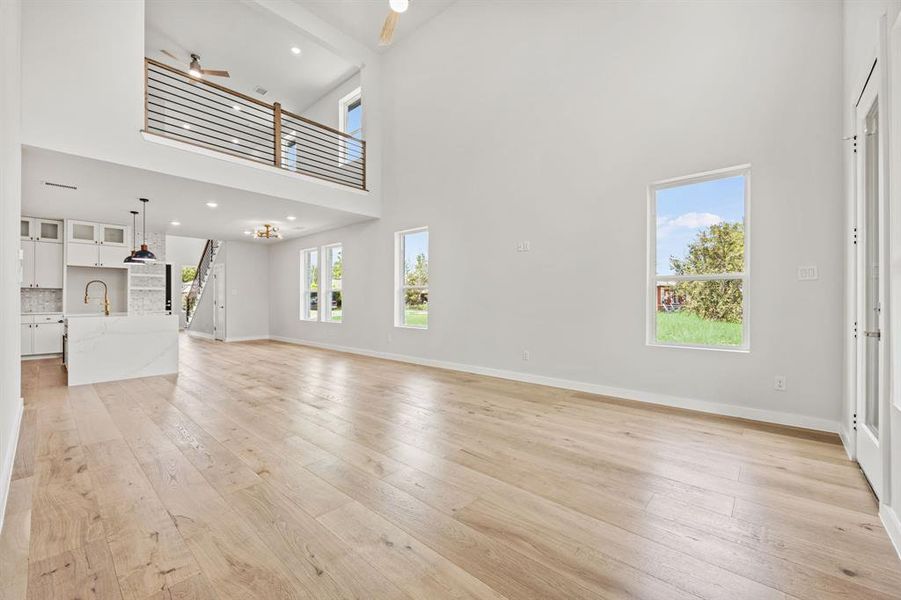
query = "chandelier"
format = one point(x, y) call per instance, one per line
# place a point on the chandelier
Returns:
point(267, 232)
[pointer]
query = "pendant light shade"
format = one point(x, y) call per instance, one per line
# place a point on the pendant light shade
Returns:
point(130, 259)
point(144, 255)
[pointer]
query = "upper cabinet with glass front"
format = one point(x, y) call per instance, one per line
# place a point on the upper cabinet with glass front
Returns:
point(41, 230)
point(86, 232)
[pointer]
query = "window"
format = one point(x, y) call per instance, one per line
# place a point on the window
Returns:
point(698, 260)
point(332, 307)
point(412, 278)
point(310, 294)
point(350, 121)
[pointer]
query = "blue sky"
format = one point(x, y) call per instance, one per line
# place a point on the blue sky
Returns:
point(685, 210)
point(415, 244)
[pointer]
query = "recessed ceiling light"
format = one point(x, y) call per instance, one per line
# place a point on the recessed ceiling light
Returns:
point(185, 125)
point(236, 107)
point(291, 217)
point(236, 141)
point(295, 50)
point(212, 204)
point(176, 223)
point(399, 6)
point(247, 232)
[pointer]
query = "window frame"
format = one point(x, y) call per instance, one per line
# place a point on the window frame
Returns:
point(653, 278)
point(344, 106)
point(325, 283)
point(400, 287)
point(305, 284)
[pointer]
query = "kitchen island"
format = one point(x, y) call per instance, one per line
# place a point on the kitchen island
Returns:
point(110, 348)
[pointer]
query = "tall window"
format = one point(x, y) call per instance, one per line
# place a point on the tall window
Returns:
point(350, 121)
point(412, 278)
point(309, 310)
point(332, 307)
point(698, 260)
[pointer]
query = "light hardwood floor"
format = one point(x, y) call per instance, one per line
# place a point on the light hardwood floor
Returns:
point(267, 470)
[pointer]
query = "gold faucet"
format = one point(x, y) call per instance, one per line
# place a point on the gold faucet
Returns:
point(105, 294)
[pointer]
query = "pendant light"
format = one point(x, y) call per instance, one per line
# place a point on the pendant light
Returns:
point(144, 255)
point(134, 222)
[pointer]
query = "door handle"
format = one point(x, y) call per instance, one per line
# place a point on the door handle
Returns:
point(873, 334)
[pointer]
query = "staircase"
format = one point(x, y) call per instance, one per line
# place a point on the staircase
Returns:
point(204, 268)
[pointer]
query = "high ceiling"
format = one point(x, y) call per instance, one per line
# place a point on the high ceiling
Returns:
point(107, 192)
point(363, 19)
point(251, 43)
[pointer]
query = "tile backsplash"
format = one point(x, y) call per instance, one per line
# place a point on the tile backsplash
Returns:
point(41, 300)
point(147, 283)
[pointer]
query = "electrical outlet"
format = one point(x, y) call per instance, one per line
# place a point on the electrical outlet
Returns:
point(779, 383)
point(526, 355)
point(523, 246)
point(808, 273)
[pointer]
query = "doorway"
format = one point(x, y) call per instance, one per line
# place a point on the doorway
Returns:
point(871, 282)
point(219, 300)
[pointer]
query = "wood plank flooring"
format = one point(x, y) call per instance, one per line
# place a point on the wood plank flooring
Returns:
point(274, 471)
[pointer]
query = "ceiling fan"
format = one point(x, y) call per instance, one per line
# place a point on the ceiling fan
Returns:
point(194, 67)
point(396, 7)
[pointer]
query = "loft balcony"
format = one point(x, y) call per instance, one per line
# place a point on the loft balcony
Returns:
point(199, 112)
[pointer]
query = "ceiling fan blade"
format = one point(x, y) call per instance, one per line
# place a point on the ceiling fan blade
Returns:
point(388, 28)
point(170, 55)
point(215, 72)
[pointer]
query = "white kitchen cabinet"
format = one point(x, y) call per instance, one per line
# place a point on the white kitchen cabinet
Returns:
point(82, 232)
point(48, 265)
point(96, 244)
point(27, 339)
point(82, 255)
point(48, 338)
point(27, 263)
point(45, 230)
point(48, 230)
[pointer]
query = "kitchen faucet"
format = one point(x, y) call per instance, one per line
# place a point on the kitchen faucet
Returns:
point(105, 294)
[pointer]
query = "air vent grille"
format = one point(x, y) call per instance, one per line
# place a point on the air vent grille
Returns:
point(61, 185)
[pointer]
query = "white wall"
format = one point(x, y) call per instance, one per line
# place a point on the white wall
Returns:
point(91, 53)
point(325, 110)
point(116, 281)
point(247, 281)
point(10, 209)
point(547, 126)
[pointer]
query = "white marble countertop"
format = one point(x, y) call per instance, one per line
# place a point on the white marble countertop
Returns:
point(120, 346)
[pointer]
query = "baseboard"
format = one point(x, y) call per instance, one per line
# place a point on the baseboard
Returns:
point(247, 338)
point(717, 408)
point(9, 460)
point(200, 334)
point(892, 526)
point(847, 442)
point(41, 356)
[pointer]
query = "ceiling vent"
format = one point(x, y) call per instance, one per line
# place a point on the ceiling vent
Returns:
point(261, 90)
point(60, 185)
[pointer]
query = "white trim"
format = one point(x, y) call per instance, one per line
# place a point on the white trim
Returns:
point(6, 475)
point(325, 283)
point(247, 338)
point(306, 286)
point(653, 279)
point(343, 103)
point(892, 526)
point(399, 265)
point(41, 356)
point(705, 406)
point(200, 334)
point(848, 441)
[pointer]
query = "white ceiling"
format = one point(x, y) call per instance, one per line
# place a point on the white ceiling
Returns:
point(252, 44)
point(363, 19)
point(106, 192)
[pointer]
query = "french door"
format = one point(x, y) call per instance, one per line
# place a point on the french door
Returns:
point(871, 283)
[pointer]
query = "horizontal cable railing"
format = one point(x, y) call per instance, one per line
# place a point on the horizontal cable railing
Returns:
point(200, 112)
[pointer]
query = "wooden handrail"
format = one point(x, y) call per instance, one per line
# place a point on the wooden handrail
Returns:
point(202, 116)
